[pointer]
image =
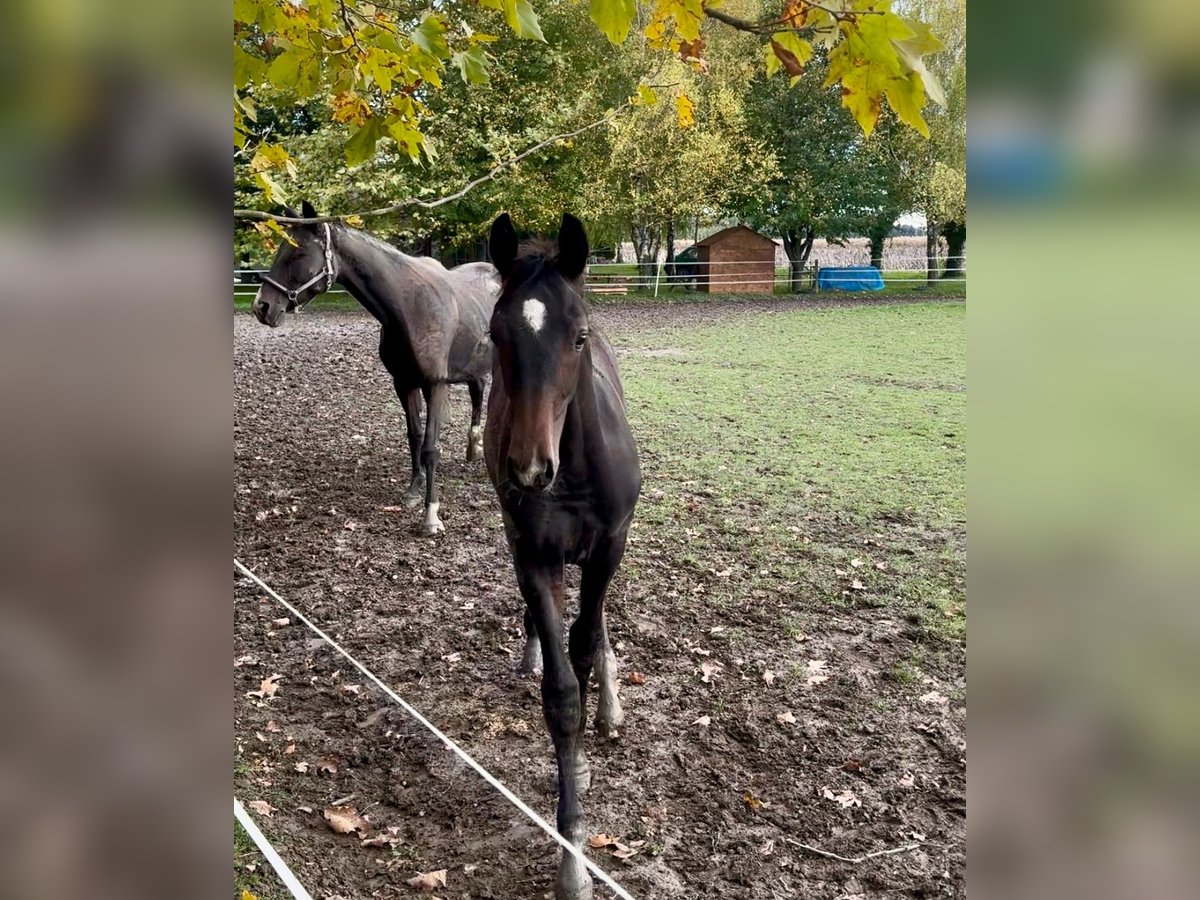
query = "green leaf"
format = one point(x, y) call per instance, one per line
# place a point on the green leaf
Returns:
point(285, 69)
point(430, 36)
point(614, 18)
point(523, 20)
point(646, 95)
point(472, 65)
point(406, 137)
point(376, 66)
point(906, 95)
point(361, 145)
point(245, 11)
point(270, 188)
point(247, 68)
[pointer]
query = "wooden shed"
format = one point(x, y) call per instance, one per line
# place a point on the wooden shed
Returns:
point(737, 260)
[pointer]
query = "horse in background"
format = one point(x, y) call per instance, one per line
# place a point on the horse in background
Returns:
point(434, 327)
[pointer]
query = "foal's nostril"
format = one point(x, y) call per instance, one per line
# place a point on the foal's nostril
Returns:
point(547, 475)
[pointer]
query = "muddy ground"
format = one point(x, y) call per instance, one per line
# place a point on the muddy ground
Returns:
point(870, 763)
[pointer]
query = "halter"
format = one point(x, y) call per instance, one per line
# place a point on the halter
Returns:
point(326, 272)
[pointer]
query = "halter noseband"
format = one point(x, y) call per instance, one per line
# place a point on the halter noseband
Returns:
point(326, 272)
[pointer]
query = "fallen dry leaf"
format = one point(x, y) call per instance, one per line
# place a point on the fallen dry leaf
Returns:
point(273, 726)
point(428, 881)
point(304, 809)
point(636, 678)
point(345, 819)
point(399, 509)
point(840, 572)
point(709, 670)
point(768, 848)
point(351, 688)
point(248, 660)
point(268, 687)
point(852, 765)
point(289, 749)
point(845, 799)
point(301, 767)
point(934, 697)
point(387, 838)
point(785, 718)
point(469, 868)
point(327, 765)
point(907, 780)
point(857, 585)
point(703, 721)
point(621, 851)
point(596, 841)
point(716, 629)
point(768, 676)
point(856, 563)
point(262, 807)
point(881, 566)
point(751, 801)
point(814, 671)
point(452, 657)
point(281, 623)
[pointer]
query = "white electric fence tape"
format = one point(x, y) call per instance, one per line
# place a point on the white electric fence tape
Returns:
point(487, 776)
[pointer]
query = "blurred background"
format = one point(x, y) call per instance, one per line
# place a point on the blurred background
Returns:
point(1084, 193)
point(115, 387)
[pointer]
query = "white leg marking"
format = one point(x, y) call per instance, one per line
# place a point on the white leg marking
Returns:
point(609, 714)
point(475, 442)
point(433, 525)
point(535, 314)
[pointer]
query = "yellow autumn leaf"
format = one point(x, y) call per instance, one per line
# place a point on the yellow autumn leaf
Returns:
point(686, 111)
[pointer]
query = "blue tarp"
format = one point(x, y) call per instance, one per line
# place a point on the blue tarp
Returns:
point(849, 278)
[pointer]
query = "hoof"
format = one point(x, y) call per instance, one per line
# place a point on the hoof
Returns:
point(609, 718)
point(475, 444)
point(573, 882)
point(432, 525)
point(413, 499)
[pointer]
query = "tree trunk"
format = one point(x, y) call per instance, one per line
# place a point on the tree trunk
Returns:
point(798, 244)
point(669, 268)
point(646, 241)
point(956, 241)
point(931, 252)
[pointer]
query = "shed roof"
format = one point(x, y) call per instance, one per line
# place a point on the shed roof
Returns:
point(726, 232)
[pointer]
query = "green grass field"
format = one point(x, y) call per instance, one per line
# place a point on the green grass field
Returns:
point(836, 425)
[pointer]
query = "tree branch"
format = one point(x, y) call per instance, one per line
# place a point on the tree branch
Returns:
point(772, 26)
point(255, 214)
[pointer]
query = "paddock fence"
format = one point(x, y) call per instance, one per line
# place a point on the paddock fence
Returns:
point(695, 276)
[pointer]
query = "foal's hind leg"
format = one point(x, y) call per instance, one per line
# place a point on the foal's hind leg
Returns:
point(411, 401)
point(475, 437)
point(589, 637)
point(435, 406)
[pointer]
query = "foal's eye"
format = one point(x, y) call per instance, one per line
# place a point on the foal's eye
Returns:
point(581, 340)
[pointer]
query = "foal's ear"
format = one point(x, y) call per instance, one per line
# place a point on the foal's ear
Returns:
point(307, 211)
point(572, 247)
point(502, 244)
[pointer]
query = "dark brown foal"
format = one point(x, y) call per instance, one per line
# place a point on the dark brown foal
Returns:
point(560, 453)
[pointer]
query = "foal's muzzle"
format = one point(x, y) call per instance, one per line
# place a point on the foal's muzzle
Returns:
point(535, 478)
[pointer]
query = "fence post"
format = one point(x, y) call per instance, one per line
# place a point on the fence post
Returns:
point(657, 276)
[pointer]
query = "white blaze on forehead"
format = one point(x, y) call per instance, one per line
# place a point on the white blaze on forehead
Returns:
point(535, 314)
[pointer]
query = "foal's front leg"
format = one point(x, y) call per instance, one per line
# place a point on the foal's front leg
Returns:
point(435, 407)
point(541, 586)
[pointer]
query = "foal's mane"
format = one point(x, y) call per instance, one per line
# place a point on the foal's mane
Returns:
point(535, 256)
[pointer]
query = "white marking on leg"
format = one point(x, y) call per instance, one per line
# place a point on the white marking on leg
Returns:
point(433, 524)
point(609, 714)
point(535, 314)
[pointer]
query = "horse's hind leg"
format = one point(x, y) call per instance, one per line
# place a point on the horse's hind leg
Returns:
point(531, 658)
point(589, 638)
point(435, 406)
point(411, 401)
point(475, 437)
